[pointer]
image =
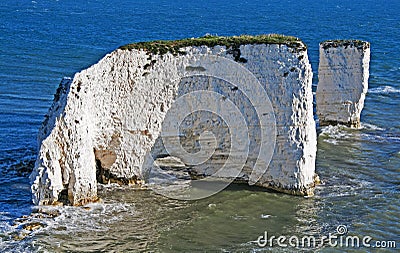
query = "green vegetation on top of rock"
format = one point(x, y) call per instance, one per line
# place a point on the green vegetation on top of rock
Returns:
point(345, 43)
point(174, 46)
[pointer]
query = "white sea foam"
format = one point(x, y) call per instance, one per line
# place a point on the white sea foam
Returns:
point(368, 126)
point(265, 216)
point(340, 132)
point(335, 133)
point(332, 141)
point(384, 90)
point(70, 219)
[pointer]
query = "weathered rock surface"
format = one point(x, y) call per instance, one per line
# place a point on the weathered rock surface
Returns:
point(106, 121)
point(343, 81)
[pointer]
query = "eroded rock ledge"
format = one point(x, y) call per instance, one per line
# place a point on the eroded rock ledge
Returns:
point(105, 121)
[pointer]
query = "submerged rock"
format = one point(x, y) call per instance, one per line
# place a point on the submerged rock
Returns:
point(342, 81)
point(111, 121)
point(33, 226)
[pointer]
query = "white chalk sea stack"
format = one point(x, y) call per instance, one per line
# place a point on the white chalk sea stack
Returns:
point(342, 81)
point(107, 120)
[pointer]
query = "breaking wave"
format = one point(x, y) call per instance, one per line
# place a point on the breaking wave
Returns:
point(384, 90)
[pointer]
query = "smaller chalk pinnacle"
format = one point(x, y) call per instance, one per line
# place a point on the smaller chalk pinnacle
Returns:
point(342, 81)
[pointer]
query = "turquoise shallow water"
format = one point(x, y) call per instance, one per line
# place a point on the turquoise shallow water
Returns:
point(42, 41)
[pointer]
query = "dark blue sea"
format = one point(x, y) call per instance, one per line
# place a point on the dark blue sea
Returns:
point(44, 40)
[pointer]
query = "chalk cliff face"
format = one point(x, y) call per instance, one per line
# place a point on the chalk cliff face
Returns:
point(250, 100)
point(343, 81)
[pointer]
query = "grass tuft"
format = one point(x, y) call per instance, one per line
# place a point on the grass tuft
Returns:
point(345, 43)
